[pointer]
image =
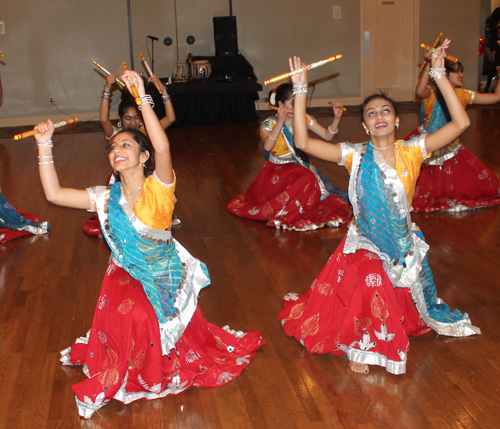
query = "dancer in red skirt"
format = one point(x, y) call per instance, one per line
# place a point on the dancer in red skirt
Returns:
point(291, 193)
point(377, 288)
point(452, 179)
point(148, 338)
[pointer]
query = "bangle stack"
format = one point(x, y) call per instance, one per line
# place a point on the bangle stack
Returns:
point(45, 157)
point(333, 132)
point(437, 73)
point(146, 99)
point(105, 95)
point(274, 140)
point(299, 88)
point(165, 98)
point(47, 143)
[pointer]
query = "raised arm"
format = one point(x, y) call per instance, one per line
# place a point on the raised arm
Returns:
point(68, 197)
point(106, 125)
point(156, 132)
point(315, 147)
point(459, 118)
point(487, 98)
point(329, 133)
point(169, 117)
point(270, 137)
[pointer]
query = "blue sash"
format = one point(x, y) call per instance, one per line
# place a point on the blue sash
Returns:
point(381, 221)
point(437, 119)
point(155, 264)
point(10, 218)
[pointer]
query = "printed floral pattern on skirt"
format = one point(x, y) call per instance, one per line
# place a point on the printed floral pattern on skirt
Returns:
point(352, 307)
point(288, 196)
point(122, 354)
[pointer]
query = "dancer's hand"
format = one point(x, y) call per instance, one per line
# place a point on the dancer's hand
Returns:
point(438, 54)
point(296, 64)
point(154, 79)
point(110, 80)
point(282, 113)
point(131, 77)
point(338, 110)
point(45, 130)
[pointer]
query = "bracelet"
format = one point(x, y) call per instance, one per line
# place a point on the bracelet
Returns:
point(45, 156)
point(165, 98)
point(47, 162)
point(107, 89)
point(333, 132)
point(299, 88)
point(274, 140)
point(47, 143)
point(106, 93)
point(437, 73)
point(104, 99)
point(147, 99)
point(163, 89)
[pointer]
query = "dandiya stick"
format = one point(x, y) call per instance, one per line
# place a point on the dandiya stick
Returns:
point(33, 132)
point(271, 107)
point(107, 72)
point(331, 104)
point(133, 88)
point(448, 57)
point(436, 43)
point(148, 71)
point(313, 66)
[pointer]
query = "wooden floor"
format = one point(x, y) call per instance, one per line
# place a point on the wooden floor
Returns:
point(49, 286)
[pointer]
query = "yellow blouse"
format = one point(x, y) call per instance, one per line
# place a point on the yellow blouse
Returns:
point(280, 148)
point(409, 157)
point(464, 95)
point(156, 203)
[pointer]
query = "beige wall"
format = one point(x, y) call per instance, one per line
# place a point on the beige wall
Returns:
point(49, 50)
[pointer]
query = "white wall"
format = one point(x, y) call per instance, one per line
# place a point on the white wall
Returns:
point(50, 45)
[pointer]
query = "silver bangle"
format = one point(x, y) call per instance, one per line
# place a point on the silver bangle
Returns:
point(163, 89)
point(47, 143)
point(45, 156)
point(104, 99)
point(106, 93)
point(333, 132)
point(165, 98)
point(147, 99)
point(274, 140)
point(437, 73)
point(46, 162)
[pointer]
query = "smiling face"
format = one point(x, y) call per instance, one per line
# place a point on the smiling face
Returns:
point(379, 117)
point(125, 153)
point(456, 78)
point(131, 118)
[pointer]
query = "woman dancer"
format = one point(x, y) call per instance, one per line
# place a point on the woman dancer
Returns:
point(289, 192)
point(130, 118)
point(377, 288)
point(148, 338)
point(452, 179)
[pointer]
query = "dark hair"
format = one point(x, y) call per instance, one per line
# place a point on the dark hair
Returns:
point(375, 96)
point(126, 103)
point(283, 93)
point(144, 144)
point(453, 67)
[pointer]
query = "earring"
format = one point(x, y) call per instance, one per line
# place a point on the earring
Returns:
point(367, 132)
point(397, 125)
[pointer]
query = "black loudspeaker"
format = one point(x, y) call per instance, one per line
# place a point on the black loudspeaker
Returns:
point(226, 37)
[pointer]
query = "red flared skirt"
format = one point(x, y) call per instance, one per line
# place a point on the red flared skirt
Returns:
point(462, 182)
point(288, 196)
point(122, 354)
point(352, 307)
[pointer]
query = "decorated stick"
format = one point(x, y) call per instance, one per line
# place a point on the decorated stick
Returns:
point(107, 72)
point(133, 88)
point(149, 72)
point(331, 104)
point(448, 57)
point(33, 132)
point(313, 66)
point(435, 45)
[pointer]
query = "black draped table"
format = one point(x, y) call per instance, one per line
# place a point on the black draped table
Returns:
point(217, 100)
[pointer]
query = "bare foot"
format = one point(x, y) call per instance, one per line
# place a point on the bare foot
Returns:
point(362, 368)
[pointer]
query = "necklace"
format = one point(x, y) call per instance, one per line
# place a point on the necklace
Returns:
point(383, 148)
point(133, 192)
